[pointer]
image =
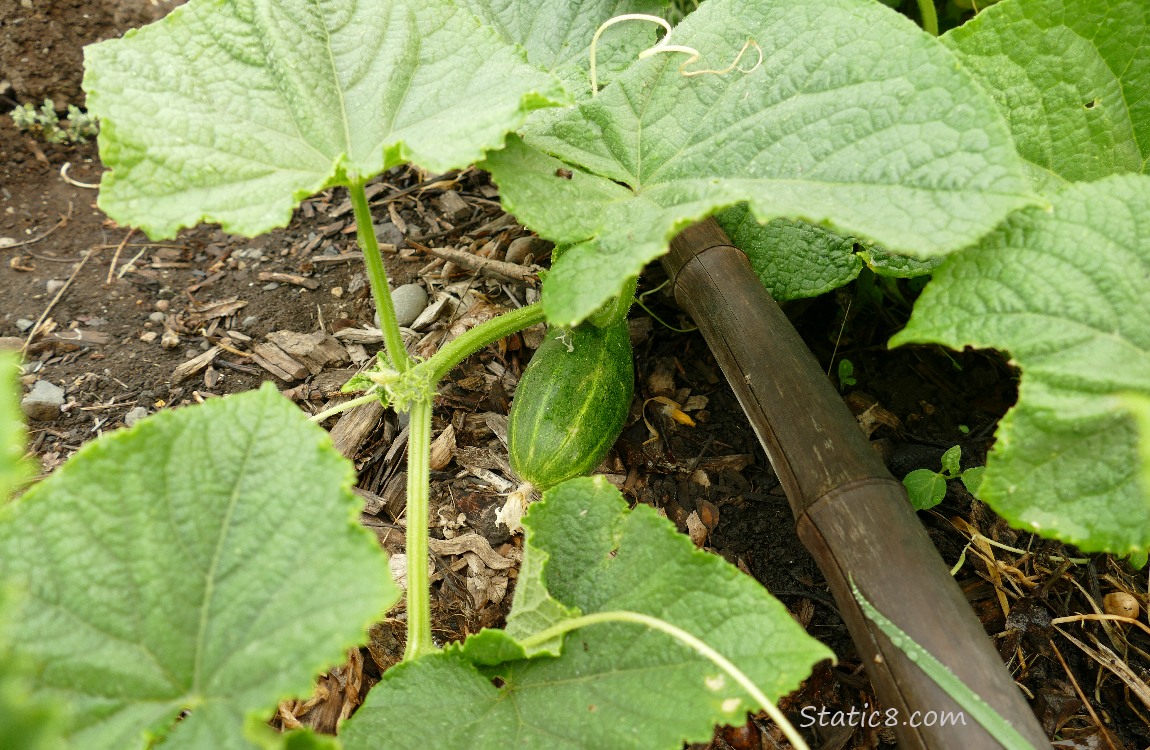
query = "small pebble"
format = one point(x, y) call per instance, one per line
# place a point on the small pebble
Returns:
point(162, 305)
point(55, 285)
point(249, 321)
point(271, 285)
point(23, 324)
point(135, 415)
point(337, 291)
point(409, 300)
point(149, 337)
point(157, 317)
point(44, 402)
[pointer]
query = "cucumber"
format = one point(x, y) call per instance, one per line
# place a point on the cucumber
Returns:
point(571, 403)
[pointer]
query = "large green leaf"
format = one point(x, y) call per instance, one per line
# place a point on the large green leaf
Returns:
point(208, 559)
point(1064, 291)
point(233, 110)
point(1072, 78)
point(26, 722)
point(557, 36)
point(792, 259)
point(13, 468)
point(855, 121)
point(616, 685)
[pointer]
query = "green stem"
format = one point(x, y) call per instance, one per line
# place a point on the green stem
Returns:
point(345, 406)
point(616, 310)
point(474, 339)
point(929, 16)
point(377, 275)
point(418, 582)
point(683, 637)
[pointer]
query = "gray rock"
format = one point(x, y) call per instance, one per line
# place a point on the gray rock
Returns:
point(157, 317)
point(409, 300)
point(44, 402)
point(389, 234)
point(135, 415)
point(55, 285)
point(249, 321)
point(23, 324)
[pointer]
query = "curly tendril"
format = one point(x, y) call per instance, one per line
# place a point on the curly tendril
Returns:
point(664, 45)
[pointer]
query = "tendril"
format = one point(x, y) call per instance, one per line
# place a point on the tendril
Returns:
point(664, 45)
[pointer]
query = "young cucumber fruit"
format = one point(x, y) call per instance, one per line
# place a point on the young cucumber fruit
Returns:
point(571, 404)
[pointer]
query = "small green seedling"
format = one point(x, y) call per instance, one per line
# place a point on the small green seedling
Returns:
point(44, 123)
point(927, 488)
point(846, 374)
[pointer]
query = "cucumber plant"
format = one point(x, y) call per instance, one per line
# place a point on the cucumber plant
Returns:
point(856, 139)
point(926, 488)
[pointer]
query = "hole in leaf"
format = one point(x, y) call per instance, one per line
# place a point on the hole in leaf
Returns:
point(1091, 104)
point(498, 682)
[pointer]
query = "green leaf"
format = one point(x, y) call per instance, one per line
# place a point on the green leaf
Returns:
point(855, 121)
point(233, 111)
point(556, 36)
point(897, 266)
point(1064, 291)
point(26, 722)
point(1072, 78)
point(792, 259)
point(208, 559)
point(952, 461)
point(616, 685)
point(1139, 407)
point(972, 479)
point(926, 488)
point(13, 468)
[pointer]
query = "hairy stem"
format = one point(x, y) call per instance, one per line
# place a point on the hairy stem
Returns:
point(474, 339)
point(686, 639)
point(929, 16)
point(418, 582)
point(345, 406)
point(377, 275)
point(616, 310)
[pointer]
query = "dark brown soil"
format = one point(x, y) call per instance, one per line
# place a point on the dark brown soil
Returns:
point(129, 292)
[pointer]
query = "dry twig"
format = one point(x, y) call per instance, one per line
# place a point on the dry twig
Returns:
point(63, 220)
point(44, 315)
point(116, 255)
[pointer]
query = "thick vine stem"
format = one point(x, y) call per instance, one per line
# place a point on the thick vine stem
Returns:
point(695, 644)
point(474, 339)
point(377, 276)
point(418, 489)
point(616, 310)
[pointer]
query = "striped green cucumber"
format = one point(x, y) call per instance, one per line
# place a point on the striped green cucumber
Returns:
point(571, 403)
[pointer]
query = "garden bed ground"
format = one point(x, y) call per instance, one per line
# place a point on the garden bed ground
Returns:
point(126, 326)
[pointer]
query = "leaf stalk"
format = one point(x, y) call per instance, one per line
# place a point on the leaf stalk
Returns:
point(695, 644)
point(929, 15)
point(377, 276)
